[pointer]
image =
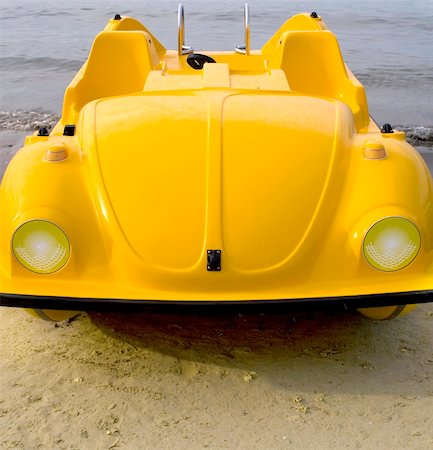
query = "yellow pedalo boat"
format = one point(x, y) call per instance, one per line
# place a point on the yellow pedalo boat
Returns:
point(184, 178)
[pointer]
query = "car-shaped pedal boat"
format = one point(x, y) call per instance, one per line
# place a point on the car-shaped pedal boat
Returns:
point(223, 177)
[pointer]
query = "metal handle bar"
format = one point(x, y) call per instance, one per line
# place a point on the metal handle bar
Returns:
point(182, 49)
point(245, 49)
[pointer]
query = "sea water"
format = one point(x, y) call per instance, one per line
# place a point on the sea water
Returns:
point(387, 44)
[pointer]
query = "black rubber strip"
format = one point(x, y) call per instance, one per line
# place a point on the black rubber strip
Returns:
point(97, 304)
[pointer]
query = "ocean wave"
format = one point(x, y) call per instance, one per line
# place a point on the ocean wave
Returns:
point(41, 62)
point(394, 76)
point(21, 120)
point(418, 135)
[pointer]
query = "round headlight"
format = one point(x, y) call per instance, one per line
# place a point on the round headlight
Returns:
point(41, 246)
point(391, 244)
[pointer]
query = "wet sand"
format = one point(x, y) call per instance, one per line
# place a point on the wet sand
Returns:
point(318, 379)
point(10, 142)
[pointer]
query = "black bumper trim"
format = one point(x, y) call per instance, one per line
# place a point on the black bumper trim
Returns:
point(97, 304)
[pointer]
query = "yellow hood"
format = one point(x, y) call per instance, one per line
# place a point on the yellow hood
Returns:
point(214, 170)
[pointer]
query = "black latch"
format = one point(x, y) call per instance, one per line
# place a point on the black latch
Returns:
point(387, 128)
point(43, 131)
point(214, 260)
point(117, 17)
point(69, 130)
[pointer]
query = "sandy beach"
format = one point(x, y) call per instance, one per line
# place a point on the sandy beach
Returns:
point(310, 380)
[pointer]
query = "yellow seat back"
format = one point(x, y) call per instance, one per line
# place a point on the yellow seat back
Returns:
point(313, 65)
point(118, 64)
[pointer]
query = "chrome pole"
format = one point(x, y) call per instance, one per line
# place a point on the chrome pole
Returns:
point(245, 49)
point(182, 49)
point(247, 29)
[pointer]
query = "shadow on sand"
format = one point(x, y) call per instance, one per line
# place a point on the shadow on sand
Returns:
point(328, 350)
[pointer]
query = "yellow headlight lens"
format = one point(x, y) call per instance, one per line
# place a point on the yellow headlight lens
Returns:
point(391, 244)
point(41, 246)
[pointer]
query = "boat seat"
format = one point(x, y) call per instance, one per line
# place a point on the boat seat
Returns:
point(118, 64)
point(313, 65)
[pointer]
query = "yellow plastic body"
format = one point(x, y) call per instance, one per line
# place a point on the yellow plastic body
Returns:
point(261, 156)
